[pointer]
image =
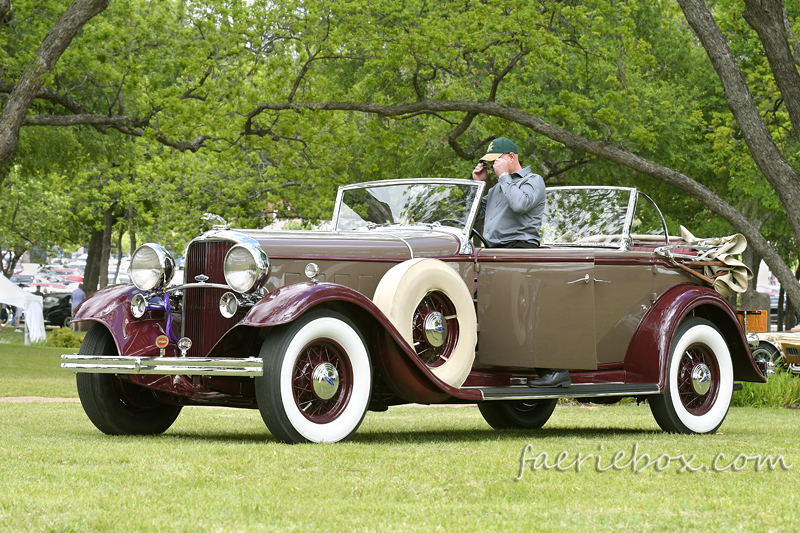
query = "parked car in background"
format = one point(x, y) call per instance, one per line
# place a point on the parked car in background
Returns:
point(121, 278)
point(397, 305)
point(68, 274)
point(22, 279)
point(57, 309)
point(46, 287)
point(771, 291)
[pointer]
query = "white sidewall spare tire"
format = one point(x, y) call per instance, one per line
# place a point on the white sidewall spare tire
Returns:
point(400, 292)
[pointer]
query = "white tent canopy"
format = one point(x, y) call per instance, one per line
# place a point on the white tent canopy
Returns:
point(11, 294)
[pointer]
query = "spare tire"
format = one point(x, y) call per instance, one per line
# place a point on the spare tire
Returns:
point(430, 306)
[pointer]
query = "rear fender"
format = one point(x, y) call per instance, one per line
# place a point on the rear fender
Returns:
point(396, 361)
point(134, 337)
point(648, 352)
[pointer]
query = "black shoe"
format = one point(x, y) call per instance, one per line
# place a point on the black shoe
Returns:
point(553, 378)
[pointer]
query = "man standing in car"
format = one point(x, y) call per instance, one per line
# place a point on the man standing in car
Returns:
point(512, 213)
point(512, 210)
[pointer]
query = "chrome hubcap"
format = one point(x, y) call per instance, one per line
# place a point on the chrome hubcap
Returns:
point(435, 329)
point(701, 378)
point(325, 381)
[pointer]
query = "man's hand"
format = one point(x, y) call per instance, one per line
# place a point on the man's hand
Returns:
point(501, 166)
point(480, 173)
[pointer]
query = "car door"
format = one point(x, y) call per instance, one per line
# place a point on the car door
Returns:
point(623, 292)
point(536, 308)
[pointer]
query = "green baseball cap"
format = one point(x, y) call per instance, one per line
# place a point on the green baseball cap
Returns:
point(498, 147)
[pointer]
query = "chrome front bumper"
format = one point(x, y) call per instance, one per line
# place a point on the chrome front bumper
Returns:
point(165, 366)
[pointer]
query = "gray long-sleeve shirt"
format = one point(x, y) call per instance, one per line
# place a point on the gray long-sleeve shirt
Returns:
point(512, 210)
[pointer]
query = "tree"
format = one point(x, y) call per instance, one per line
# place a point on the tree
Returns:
point(427, 80)
point(27, 87)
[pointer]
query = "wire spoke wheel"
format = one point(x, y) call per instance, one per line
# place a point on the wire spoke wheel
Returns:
point(435, 329)
point(698, 379)
point(322, 401)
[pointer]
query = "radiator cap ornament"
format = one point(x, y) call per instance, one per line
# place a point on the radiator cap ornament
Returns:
point(184, 344)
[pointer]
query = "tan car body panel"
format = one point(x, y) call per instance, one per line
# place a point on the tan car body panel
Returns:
point(355, 260)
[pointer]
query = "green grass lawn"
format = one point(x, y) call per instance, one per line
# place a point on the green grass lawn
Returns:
point(33, 370)
point(408, 469)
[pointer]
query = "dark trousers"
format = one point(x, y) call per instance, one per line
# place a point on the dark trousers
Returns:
point(518, 244)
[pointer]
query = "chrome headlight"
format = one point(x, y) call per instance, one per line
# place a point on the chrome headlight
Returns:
point(151, 267)
point(138, 306)
point(246, 267)
point(228, 305)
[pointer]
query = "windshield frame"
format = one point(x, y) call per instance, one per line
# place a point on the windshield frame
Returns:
point(464, 231)
point(625, 240)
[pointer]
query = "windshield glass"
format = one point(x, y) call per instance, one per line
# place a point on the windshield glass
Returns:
point(585, 216)
point(446, 204)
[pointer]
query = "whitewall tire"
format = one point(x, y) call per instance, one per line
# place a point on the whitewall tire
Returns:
point(699, 380)
point(317, 379)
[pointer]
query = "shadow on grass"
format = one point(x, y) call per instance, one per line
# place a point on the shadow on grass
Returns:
point(486, 435)
point(420, 437)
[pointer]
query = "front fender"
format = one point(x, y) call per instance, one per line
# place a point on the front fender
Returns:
point(648, 352)
point(133, 337)
point(401, 368)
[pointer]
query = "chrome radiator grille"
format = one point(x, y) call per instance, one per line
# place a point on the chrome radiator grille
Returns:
point(202, 321)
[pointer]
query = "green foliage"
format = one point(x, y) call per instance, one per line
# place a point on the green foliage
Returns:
point(781, 390)
point(298, 225)
point(64, 338)
point(629, 73)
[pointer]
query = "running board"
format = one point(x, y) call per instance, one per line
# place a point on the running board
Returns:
point(587, 390)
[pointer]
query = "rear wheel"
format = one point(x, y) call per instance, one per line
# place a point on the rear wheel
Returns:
point(524, 414)
point(317, 379)
point(699, 381)
point(764, 354)
point(113, 404)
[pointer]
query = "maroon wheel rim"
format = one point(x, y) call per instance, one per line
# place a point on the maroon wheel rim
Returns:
point(694, 402)
point(431, 355)
point(316, 409)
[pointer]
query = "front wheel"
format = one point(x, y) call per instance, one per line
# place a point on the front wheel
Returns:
point(113, 404)
point(699, 380)
point(524, 414)
point(317, 379)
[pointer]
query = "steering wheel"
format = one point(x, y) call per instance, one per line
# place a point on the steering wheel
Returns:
point(475, 233)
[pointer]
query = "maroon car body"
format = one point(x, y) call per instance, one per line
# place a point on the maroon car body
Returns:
point(396, 305)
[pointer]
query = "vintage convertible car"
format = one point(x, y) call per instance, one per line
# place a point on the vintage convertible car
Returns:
point(399, 304)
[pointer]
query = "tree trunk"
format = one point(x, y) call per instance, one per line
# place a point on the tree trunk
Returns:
point(35, 74)
point(105, 254)
point(773, 165)
point(766, 17)
point(131, 218)
point(749, 298)
point(119, 254)
point(91, 276)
